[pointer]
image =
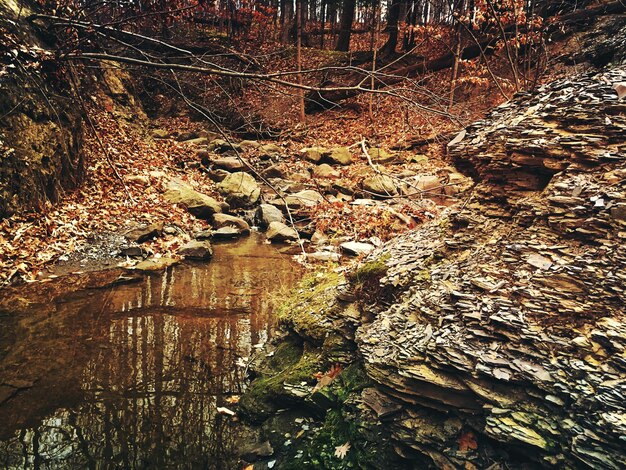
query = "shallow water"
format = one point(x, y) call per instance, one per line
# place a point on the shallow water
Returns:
point(130, 376)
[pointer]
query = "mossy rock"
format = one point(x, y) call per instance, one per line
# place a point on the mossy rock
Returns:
point(305, 309)
point(281, 384)
point(375, 269)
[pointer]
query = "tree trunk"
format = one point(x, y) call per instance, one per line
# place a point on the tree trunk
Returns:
point(299, 14)
point(323, 25)
point(392, 28)
point(287, 18)
point(347, 15)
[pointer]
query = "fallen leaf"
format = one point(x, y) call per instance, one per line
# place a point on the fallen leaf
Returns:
point(342, 451)
point(467, 441)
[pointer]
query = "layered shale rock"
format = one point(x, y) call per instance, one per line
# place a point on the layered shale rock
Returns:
point(502, 334)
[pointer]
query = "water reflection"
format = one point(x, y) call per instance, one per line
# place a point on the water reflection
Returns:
point(131, 377)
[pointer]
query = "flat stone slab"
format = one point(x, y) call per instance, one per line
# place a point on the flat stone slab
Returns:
point(356, 248)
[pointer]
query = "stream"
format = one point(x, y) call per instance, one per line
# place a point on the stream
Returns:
point(131, 375)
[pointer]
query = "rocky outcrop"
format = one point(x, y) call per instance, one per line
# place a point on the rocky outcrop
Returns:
point(41, 128)
point(499, 332)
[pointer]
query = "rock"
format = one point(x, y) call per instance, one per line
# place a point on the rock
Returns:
point(313, 154)
point(240, 189)
point(231, 164)
point(225, 220)
point(204, 235)
point(525, 334)
point(270, 150)
point(319, 238)
point(190, 135)
point(345, 187)
point(144, 233)
point(323, 256)
point(299, 176)
point(157, 175)
point(196, 250)
point(221, 146)
point(356, 248)
point(133, 251)
point(197, 141)
point(138, 179)
point(226, 233)
point(429, 183)
point(418, 158)
point(257, 451)
point(381, 404)
point(160, 134)
point(340, 156)
point(381, 156)
point(198, 204)
point(306, 198)
point(456, 183)
point(380, 185)
point(279, 232)
point(275, 171)
point(249, 144)
point(218, 175)
point(266, 214)
point(155, 264)
point(325, 171)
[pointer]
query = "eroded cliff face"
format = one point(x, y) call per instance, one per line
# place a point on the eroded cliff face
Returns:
point(505, 340)
point(40, 123)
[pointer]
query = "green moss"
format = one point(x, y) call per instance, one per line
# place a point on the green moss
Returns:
point(291, 365)
point(375, 269)
point(304, 308)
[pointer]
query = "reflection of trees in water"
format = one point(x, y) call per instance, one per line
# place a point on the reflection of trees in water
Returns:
point(164, 362)
point(150, 400)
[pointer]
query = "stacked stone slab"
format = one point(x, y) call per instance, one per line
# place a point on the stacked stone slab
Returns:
point(507, 338)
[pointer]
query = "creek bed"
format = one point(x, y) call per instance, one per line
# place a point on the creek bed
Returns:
point(131, 375)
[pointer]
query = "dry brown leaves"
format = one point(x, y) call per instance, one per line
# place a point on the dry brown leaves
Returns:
point(31, 242)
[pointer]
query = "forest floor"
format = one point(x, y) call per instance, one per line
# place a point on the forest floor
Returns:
point(128, 170)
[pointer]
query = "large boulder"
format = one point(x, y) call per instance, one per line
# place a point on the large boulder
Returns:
point(505, 343)
point(279, 232)
point(380, 185)
point(240, 189)
point(226, 220)
point(198, 204)
point(266, 214)
point(199, 250)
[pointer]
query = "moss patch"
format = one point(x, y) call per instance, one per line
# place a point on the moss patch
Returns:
point(282, 379)
point(306, 307)
point(372, 270)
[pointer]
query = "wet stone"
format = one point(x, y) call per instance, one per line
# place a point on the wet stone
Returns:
point(196, 250)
